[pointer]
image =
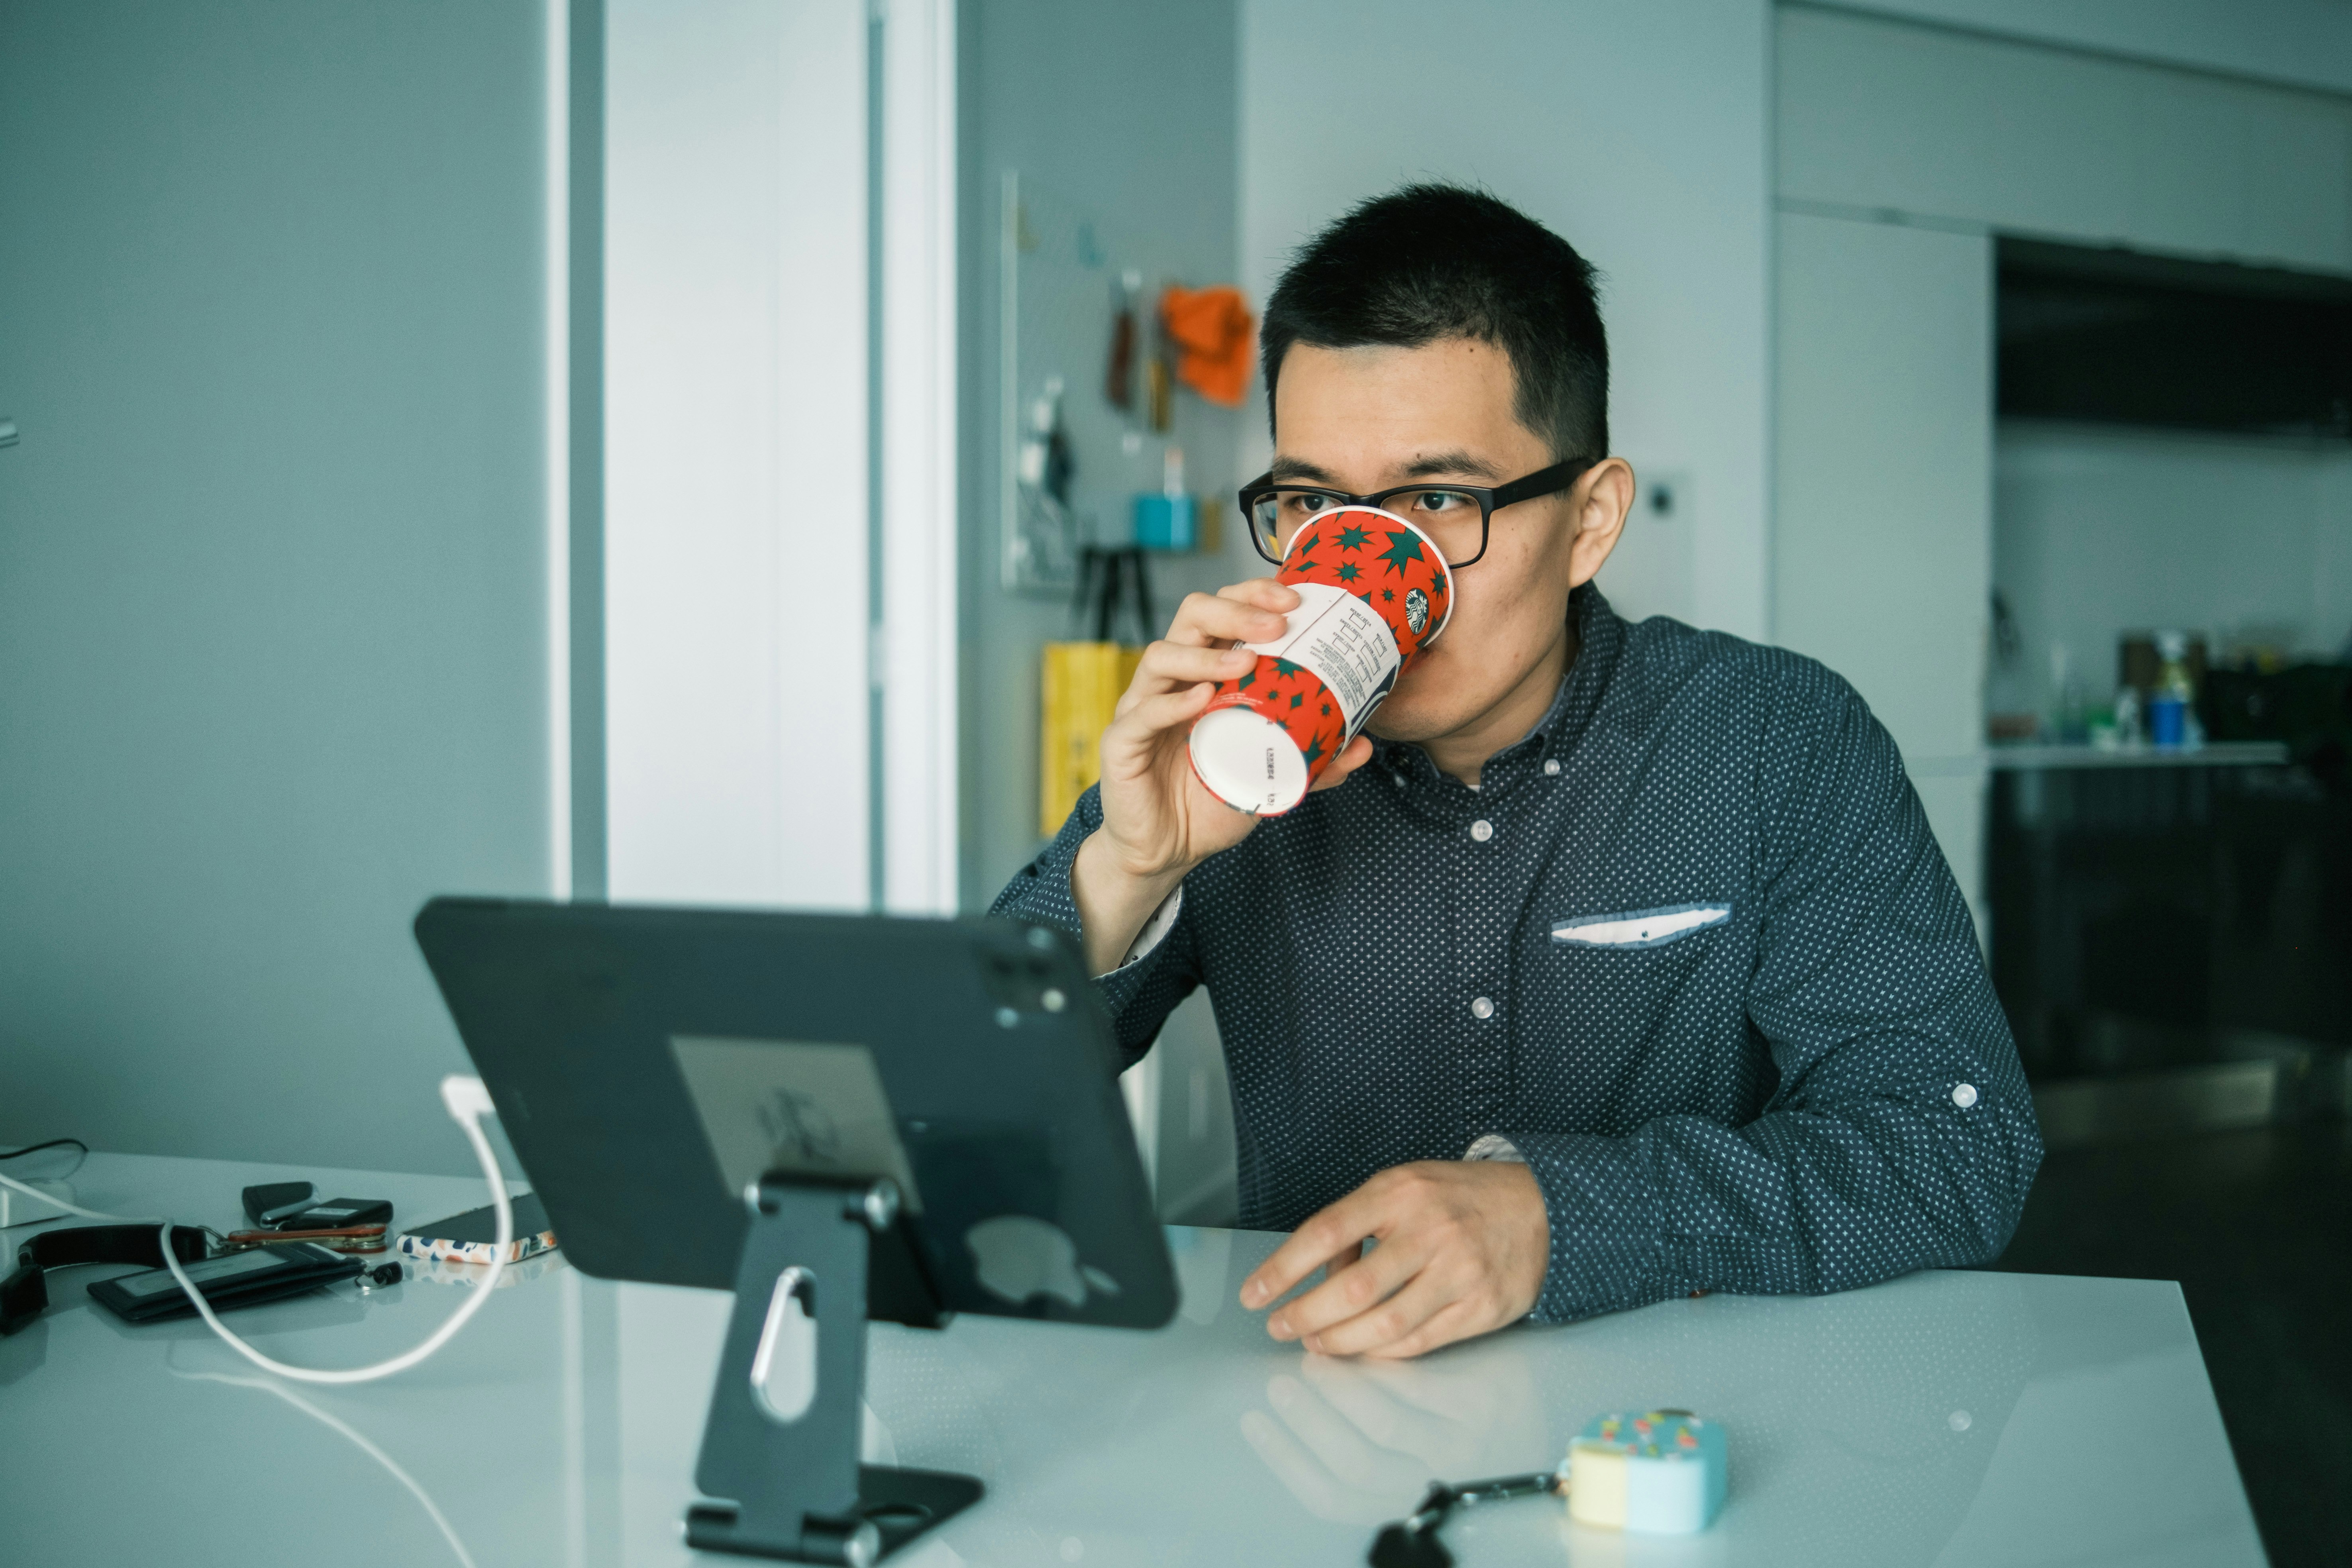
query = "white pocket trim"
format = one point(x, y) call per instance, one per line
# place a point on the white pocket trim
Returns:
point(1640, 928)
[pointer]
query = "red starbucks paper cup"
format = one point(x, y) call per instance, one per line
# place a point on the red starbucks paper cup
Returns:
point(1373, 593)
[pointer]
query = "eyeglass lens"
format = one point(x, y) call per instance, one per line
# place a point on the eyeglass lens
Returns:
point(1451, 518)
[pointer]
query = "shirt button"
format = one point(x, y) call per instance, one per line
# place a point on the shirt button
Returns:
point(1551, 764)
point(1481, 830)
point(1965, 1096)
point(1481, 1007)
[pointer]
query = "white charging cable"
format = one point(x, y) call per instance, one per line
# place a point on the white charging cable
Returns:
point(467, 1102)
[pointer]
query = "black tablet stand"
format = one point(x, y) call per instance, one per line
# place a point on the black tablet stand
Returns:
point(798, 1492)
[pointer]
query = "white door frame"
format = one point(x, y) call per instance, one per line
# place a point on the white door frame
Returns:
point(914, 663)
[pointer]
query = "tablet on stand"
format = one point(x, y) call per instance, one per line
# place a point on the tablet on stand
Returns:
point(839, 1118)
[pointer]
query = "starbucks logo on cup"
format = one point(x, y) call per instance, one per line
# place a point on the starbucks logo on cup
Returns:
point(1416, 611)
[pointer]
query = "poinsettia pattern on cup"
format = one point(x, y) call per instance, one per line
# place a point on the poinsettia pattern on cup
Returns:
point(1374, 593)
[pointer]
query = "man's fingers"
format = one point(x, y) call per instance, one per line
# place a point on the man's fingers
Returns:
point(1457, 1320)
point(1352, 755)
point(1127, 742)
point(1247, 611)
point(1388, 1323)
point(1266, 593)
point(1168, 665)
point(1344, 1224)
point(1347, 1294)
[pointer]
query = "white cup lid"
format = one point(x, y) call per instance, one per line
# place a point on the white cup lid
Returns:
point(1249, 762)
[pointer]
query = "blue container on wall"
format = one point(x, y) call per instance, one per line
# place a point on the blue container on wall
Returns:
point(1167, 522)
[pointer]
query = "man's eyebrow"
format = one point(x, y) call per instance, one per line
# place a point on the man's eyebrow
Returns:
point(1452, 463)
point(1296, 468)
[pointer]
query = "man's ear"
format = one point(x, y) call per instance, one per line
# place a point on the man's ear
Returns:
point(1598, 503)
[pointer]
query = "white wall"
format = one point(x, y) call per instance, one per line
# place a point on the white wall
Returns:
point(1639, 133)
point(2102, 530)
point(736, 526)
point(273, 569)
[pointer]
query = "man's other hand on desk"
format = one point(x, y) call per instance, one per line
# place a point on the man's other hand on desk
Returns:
point(1462, 1251)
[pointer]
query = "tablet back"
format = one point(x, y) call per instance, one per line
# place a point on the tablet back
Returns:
point(647, 1064)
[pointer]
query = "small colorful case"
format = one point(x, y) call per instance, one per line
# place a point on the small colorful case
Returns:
point(1659, 1473)
point(472, 1237)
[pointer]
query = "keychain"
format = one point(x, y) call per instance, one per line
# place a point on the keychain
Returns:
point(1661, 1472)
point(1413, 1543)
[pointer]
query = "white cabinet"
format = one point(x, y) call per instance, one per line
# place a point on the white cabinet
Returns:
point(1883, 116)
point(1883, 491)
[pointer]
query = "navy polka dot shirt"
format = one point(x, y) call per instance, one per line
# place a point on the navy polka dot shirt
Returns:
point(1690, 948)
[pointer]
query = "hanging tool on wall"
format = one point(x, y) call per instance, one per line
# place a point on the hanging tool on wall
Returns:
point(1160, 379)
point(1119, 380)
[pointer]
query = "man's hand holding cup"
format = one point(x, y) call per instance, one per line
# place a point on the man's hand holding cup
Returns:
point(1211, 735)
point(1159, 820)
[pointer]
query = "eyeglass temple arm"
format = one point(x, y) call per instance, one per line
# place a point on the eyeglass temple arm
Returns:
point(1542, 482)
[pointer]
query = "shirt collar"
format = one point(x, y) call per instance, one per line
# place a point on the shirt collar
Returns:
point(1600, 640)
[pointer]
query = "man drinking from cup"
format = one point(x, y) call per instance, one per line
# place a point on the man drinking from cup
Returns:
point(1611, 960)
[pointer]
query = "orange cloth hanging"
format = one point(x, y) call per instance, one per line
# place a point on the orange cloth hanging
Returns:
point(1216, 334)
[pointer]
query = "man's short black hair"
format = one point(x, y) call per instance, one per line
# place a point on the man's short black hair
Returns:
point(1431, 261)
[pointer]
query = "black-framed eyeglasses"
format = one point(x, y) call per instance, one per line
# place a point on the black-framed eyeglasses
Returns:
point(1456, 517)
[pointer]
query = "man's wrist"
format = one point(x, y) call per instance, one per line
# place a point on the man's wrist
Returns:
point(1111, 859)
point(1114, 901)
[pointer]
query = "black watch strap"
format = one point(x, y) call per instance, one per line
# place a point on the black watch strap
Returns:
point(26, 1292)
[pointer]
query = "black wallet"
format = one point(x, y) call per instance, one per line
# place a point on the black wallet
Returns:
point(233, 1279)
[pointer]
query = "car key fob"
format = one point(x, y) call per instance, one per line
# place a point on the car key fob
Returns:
point(270, 1201)
point(338, 1214)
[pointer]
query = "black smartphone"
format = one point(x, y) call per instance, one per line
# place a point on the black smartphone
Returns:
point(232, 1279)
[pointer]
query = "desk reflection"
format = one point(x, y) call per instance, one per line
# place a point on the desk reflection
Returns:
point(1359, 1440)
point(1860, 1426)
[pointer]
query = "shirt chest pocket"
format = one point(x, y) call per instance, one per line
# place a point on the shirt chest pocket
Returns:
point(1631, 931)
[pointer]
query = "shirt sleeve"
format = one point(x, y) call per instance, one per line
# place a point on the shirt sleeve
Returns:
point(1901, 1136)
point(1163, 965)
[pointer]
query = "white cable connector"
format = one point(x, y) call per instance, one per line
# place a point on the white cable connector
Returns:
point(467, 1102)
point(468, 1099)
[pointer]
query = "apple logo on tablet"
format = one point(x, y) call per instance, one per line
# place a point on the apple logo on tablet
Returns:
point(1019, 1256)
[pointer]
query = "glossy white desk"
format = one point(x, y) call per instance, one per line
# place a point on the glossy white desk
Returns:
point(1945, 1418)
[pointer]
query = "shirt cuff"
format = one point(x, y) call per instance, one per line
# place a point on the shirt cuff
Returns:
point(1607, 1224)
point(1155, 932)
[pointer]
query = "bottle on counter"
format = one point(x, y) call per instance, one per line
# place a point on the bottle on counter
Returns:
point(2169, 705)
point(2070, 714)
point(2128, 732)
